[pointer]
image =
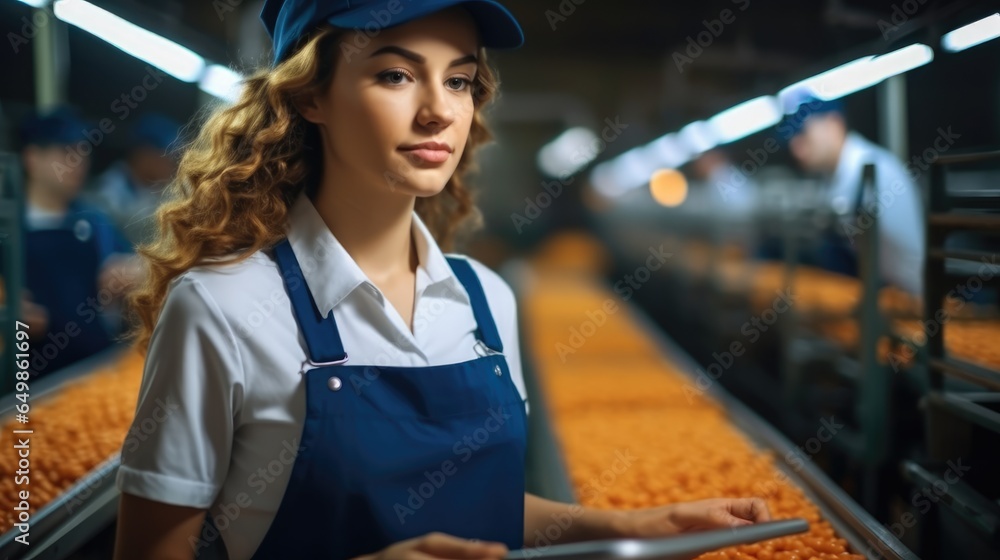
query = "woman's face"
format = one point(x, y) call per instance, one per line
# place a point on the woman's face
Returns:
point(408, 85)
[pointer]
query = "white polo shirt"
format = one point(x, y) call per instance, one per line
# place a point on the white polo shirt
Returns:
point(222, 401)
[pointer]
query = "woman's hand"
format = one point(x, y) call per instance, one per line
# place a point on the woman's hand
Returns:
point(693, 516)
point(439, 545)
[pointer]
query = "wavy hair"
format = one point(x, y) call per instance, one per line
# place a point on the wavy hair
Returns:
point(238, 178)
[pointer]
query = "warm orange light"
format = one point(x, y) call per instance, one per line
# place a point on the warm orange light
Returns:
point(668, 187)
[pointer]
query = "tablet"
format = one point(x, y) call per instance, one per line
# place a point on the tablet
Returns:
point(680, 547)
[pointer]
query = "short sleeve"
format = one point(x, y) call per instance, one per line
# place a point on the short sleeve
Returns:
point(178, 448)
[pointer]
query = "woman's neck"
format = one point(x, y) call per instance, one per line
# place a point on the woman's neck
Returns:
point(374, 227)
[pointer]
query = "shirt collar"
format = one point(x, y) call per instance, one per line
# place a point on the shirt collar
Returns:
point(332, 274)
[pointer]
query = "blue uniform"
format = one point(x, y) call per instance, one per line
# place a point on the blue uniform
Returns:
point(64, 260)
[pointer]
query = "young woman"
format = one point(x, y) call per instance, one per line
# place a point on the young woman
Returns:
point(321, 380)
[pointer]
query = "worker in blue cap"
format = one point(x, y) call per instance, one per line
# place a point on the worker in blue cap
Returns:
point(820, 140)
point(77, 262)
point(131, 190)
point(325, 381)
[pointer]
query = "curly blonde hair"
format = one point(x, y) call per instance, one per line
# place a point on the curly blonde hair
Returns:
point(238, 178)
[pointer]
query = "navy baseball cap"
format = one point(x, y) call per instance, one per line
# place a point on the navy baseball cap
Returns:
point(287, 21)
point(155, 130)
point(793, 123)
point(61, 126)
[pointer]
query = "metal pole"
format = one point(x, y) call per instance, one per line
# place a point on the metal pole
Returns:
point(892, 125)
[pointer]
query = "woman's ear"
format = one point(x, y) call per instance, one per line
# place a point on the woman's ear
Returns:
point(308, 106)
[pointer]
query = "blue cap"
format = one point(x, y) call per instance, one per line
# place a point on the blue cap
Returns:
point(61, 126)
point(793, 123)
point(287, 21)
point(155, 130)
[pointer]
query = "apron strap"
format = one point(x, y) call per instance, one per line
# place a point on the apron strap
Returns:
point(322, 336)
point(486, 329)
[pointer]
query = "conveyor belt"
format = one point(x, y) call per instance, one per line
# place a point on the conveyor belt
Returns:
point(80, 511)
point(862, 532)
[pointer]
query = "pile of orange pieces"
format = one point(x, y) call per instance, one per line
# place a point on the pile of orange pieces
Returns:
point(75, 430)
point(611, 394)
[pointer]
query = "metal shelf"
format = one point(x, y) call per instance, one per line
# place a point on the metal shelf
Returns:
point(968, 371)
point(969, 407)
point(971, 506)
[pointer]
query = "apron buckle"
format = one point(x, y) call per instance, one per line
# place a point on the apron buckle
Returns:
point(308, 361)
point(483, 350)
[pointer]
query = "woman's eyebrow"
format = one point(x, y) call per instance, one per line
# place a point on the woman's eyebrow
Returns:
point(405, 53)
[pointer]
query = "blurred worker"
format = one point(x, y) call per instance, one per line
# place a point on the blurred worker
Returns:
point(820, 141)
point(76, 261)
point(725, 188)
point(131, 189)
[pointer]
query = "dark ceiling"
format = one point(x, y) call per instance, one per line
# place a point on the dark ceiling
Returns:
point(583, 60)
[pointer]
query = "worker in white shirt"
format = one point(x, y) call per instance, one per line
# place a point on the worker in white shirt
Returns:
point(821, 142)
point(323, 380)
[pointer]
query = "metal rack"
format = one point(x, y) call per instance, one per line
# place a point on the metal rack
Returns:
point(962, 405)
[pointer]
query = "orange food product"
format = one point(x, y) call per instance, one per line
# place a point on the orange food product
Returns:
point(636, 432)
point(75, 430)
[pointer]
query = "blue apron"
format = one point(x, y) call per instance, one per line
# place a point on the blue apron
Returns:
point(391, 453)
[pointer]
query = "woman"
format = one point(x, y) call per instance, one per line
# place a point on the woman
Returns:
point(393, 426)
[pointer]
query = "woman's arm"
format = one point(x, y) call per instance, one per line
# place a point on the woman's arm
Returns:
point(547, 522)
point(149, 530)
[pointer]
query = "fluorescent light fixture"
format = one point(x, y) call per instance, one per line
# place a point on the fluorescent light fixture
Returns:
point(36, 3)
point(667, 151)
point(698, 137)
point(855, 75)
point(628, 171)
point(570, 152)
point(222, 82)
point(973, 34)
point(792, 96)
point(178, 61)
point(745, 119)
point(900, 61)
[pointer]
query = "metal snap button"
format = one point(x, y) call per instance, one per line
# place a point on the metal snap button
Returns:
point(497, 370)
point(334, 383)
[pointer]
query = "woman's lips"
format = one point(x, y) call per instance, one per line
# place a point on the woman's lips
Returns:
point(428, 155)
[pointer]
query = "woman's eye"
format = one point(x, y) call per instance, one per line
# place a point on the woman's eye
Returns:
point(459, 84)
point(393, 77)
